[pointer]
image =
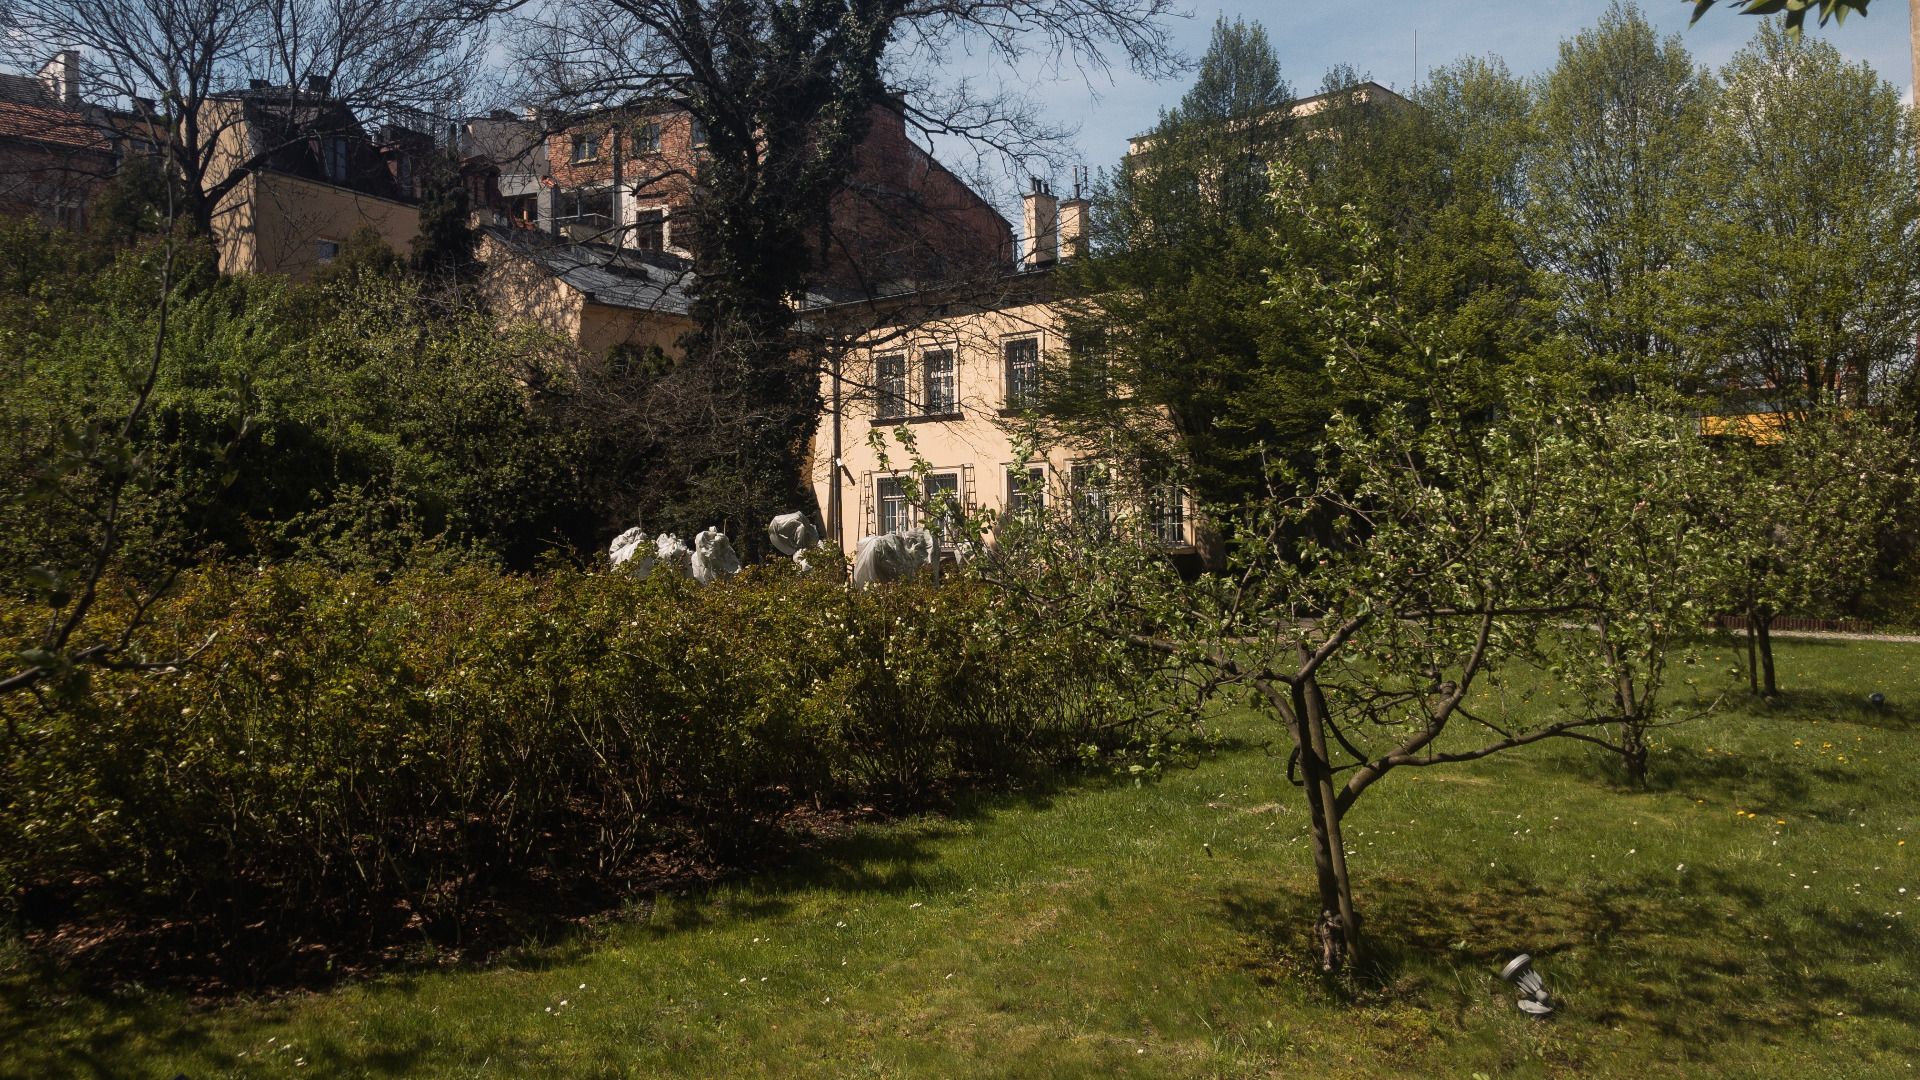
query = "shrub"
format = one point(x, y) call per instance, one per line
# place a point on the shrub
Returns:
point(347, 742)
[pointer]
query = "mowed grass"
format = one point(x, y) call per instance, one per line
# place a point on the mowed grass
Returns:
point(1753, 915)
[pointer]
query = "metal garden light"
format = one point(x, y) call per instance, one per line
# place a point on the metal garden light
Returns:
point(1534, 999)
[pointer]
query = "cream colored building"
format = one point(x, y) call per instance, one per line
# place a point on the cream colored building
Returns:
point(594, 296)
point(950, 372)
point(273, 223)
point(315, 180)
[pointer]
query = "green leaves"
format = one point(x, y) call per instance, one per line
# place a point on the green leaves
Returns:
point(1795, 10)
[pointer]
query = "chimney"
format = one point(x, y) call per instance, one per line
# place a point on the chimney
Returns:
point(319, 85)
point(1073, 217)
point(62, 76)
point(1043, 226)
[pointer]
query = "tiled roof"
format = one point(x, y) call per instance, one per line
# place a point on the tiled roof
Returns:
point(51, 124)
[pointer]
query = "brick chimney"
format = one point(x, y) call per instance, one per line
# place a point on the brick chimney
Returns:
point(1042, 226)
point(62, 76)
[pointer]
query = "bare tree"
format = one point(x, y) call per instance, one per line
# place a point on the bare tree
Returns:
point(784, 94)
point(183, 67)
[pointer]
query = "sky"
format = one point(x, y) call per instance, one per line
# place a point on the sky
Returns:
point(1379, 37)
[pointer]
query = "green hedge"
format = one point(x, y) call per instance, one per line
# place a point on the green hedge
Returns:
point(348, 740)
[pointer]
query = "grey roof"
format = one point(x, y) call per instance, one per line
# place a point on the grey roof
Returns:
point(621, 277)
point(615, 277)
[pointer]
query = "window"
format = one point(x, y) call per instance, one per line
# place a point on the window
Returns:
point(1023, 370)
point(649, 230)
point(1026, 491)
point(586, 148)
point(1088, 483)
point(1089, 364)
point(325, 251)
point(584, 214)
point(646, 137)
point(697, 132)
point(943, 503)
point(333, 158)
point(940, 492)
point(890, 504)
point(942, 395)
point(890, 387)
point(1167, 514)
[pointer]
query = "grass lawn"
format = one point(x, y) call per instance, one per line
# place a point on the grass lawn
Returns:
point(1754, 915)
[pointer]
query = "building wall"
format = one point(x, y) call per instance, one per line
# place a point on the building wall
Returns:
point(901, 215)
point(521, 290)
point(602, 327)
point(974, 444)
point(272, 223)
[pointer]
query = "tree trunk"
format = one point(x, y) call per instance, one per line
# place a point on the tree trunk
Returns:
point(1633, 751)
point(1763, 624)
point(1753, 656)
point(1338, 927)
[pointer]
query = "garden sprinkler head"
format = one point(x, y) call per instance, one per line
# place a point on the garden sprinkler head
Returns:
point(1534, 1000)
point(1877, 699)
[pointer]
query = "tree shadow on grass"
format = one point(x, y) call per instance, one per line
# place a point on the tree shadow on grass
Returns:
point(854, 851)
point(1699, 965)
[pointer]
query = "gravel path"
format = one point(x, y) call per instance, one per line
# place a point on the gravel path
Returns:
point(1835, 635)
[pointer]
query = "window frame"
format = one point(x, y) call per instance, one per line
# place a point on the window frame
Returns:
point(586, 148)
point(1091, 498)
point(1030, 501)
point(890, 402)
point(1029, 386)
point(1167, 516)
point(646, 137)
point(642, 214)
point(890, 502)
point(947, 404)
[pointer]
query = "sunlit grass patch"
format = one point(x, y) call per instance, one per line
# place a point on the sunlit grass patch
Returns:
point(1743, 917)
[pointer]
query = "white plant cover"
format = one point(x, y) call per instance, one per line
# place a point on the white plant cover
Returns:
point(629, 550)
point(896, 556)
point(713, 557)
point(791, 534)
point(672, 555)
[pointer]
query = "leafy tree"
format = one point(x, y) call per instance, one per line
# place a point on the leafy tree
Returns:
point(1800, 509)
point(1793, 294)
point(1795, 11)
point(1609, 186)
point(1185, 234)
point(446, 241)
point(1417, 555)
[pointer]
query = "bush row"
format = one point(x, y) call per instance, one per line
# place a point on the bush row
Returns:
point(349, 740)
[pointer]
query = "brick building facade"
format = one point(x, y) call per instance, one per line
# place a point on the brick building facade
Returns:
point(626, 178)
